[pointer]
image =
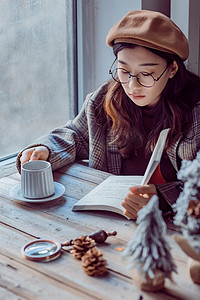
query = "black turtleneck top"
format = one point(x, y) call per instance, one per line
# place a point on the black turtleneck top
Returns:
point(137, 163)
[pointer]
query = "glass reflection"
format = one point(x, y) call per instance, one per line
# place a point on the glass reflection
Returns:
point(39, 249)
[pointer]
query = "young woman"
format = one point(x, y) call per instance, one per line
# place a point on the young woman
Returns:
point(119, 124)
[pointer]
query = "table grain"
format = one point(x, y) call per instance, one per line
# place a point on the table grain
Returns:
point(64, 278)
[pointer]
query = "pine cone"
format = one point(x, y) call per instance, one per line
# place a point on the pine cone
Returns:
point(81, 245)
point(93, 262)
point(194, 209)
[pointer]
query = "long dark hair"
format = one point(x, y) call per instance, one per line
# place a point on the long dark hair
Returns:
point(179, 96)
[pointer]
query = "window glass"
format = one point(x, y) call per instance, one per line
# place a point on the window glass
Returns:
point(36, 70)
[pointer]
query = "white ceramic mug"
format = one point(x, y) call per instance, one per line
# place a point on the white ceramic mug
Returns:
point(37, 179)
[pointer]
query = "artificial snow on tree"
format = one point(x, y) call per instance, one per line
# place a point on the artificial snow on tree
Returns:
point(149, 252)
point(187, 208)
point(188, 203)
point(189, 174)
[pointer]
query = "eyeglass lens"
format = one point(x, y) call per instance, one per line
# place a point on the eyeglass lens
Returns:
point(123, 76)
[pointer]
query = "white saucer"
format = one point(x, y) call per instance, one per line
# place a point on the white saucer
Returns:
point(17, 194)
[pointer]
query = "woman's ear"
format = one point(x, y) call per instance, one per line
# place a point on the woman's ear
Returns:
point(173, 69)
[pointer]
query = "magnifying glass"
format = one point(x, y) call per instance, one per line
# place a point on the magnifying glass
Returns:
point(47, 250)
point(42, 250)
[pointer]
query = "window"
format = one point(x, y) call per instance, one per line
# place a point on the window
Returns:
point(40, 87)
point(37, 91)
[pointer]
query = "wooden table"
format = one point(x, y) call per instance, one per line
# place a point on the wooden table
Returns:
point(64, 278)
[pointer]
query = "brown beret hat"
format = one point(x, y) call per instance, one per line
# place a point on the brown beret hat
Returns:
point(150, 29)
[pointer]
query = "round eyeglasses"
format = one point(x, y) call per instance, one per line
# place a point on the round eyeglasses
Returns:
point(145, 79)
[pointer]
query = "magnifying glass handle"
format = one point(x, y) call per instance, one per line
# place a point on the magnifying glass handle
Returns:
point(67, 243)
point(101, 235)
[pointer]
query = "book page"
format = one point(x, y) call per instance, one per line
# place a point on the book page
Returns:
point(156, 156)
point(111, 192)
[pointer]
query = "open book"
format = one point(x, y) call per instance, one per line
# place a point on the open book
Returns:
point(110, 193)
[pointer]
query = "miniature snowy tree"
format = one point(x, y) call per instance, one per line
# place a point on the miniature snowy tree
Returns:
point(187, 208)
point(148, 249)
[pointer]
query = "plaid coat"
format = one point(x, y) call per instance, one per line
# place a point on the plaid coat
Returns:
point(84, 138)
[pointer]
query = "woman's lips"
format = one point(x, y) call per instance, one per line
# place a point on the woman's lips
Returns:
point(135, 96)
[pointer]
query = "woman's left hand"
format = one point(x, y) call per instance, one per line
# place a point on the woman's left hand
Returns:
point(138, 197)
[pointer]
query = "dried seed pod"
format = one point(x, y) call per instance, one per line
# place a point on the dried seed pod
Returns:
point(81, 245)
point(93, 262)
point(194, 209)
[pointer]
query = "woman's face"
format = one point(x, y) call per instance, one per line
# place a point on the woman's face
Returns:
point(139, 59)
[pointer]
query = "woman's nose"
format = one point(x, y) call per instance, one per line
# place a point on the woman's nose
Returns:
point(133, 82)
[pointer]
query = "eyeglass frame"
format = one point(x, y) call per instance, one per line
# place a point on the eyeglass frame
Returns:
point(136, 76)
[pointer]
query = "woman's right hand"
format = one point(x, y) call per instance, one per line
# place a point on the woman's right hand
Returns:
point(34, 153)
